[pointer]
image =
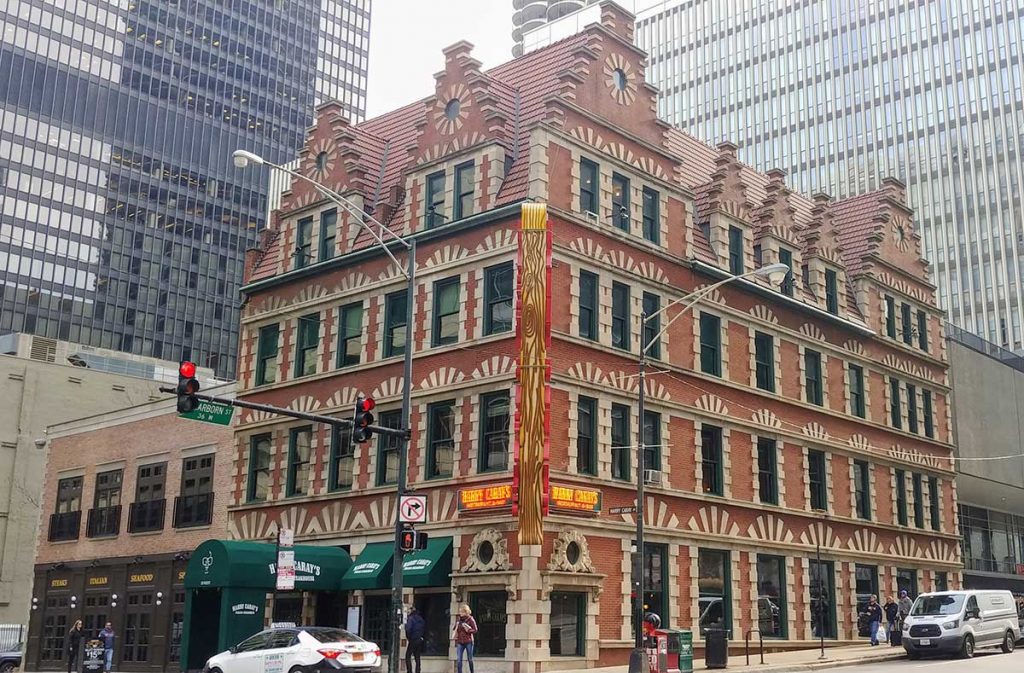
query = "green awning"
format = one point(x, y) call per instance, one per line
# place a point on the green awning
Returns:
point(430, 567)
point(372, 569)
point(234, 563)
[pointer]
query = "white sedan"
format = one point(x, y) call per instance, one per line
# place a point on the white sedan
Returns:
point(308, 649)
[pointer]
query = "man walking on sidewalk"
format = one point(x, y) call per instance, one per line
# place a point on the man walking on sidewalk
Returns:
point(874, 612)
point(415, 632)
point(107, 637)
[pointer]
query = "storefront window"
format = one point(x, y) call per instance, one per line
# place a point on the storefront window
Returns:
point(55, 624)
point(568, 623)
point(137, 622)
point(771, 599)
point(655, 569)
point(823, 599)
point(177, 626)
point(714, 586)
point(489, 611)
point(288, 607)
point(97, 606)
point(376, 622)
point(866, 586)
point(436, 612)
point(906, 580)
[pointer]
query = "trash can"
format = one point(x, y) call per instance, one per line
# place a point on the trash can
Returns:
point(716, 648)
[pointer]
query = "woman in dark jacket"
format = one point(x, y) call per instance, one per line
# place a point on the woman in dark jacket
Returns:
point(73, 645)
point(892, 612)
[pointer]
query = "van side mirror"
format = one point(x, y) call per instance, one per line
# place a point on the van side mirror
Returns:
point(233, 649)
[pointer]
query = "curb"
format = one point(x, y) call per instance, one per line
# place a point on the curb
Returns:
point(830, 663)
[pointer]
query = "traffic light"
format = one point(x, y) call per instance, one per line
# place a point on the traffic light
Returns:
point(188, 386)
point(413, 540)
point(362, 419)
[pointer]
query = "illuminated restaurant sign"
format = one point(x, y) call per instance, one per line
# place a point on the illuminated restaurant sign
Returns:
point(485, 497)
point(575, 499)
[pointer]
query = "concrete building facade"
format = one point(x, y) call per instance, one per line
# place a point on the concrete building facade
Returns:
point(781, 419)
point(46, 382)
point(127, 496)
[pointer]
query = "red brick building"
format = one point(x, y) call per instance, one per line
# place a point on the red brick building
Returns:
point(781, 418)
point(126, 498)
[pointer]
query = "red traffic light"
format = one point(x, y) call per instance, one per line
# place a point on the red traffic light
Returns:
point(408, 542)
point(187, 369)
point(368, 404)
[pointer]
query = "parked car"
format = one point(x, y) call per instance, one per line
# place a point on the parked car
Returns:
point(959, 622)
point(304, 649)
point(10, 660)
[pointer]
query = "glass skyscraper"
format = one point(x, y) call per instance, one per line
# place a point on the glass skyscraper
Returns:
point(124, 223)
point(841, 94)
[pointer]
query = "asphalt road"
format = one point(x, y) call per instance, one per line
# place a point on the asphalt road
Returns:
point(985, 661)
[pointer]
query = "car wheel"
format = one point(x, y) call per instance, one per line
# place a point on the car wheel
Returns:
point(7, 667)
point(967, 649)
point(1008, 643)
point(297, 669)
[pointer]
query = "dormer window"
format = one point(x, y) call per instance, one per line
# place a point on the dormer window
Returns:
point(463, 190)
point(620, 201)
point(831, 292)
point(735, 251)
point(588, 186)
point(786, 257)
point(435, 199)
point(303, 242)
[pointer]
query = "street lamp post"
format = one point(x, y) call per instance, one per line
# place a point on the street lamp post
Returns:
point(241, 159)
point(775, 273)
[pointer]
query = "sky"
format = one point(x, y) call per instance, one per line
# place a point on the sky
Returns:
point(407, 36)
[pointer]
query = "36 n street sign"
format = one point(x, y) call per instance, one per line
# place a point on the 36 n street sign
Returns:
point(211, 412)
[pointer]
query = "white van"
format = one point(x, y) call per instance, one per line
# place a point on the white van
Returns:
point(959, 622)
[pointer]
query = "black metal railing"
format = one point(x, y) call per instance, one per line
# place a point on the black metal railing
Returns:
point(65, 526)
point(193, 510)
point(146, 516)
point(984, 346)
point(103, 521)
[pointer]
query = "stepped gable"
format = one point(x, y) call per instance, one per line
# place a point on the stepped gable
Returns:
point(729, 190)
point(777, 215)
point(820, 236)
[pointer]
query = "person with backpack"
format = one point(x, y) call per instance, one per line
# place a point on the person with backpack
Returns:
point(415, 634)
point(464, 635)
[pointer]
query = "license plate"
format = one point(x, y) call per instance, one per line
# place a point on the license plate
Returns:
point(357, 656)
point(926, 641)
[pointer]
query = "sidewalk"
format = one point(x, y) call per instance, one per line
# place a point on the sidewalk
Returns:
point(798, 660)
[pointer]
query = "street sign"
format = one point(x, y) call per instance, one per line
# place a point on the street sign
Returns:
point(285, 538)
point(286, 570)
point(210, 412)
point(622, 510)
point(412, 509)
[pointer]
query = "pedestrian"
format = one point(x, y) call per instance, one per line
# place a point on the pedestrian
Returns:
point(107, 638)
point(465, 627)
point(892, 614)
point(874, 613)
point(905, 604)
point(415, 634)
point(73, 645)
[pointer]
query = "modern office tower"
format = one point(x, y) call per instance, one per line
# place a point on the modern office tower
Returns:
point(532, 14)
point(124, 223)
point(842, 94)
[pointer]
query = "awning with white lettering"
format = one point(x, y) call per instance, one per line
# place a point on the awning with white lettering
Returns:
point(236, 563)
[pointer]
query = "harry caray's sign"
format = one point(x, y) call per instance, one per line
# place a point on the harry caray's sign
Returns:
point(304, 571)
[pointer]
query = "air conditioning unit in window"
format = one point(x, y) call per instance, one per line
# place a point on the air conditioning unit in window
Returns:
point(652, 477)
point(591, 216)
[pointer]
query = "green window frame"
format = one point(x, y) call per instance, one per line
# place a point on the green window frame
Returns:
point(620, 202)
point(395, 316)
point(895, 412)
point(822, 586)
point(855, 378)
point(933, 502)
point(831, 292)
point(714, 586)
point(651, 326)
point(651, 215)
point(464, 189)
point(901, 498)
point(350, 334)
point(710, 344)
point(813, 384)
point(495, 412)
point(787, 286)
point(621, 444)
point(586, 436)
point(445, 328)
point(652, 440)
point(890, 317)
point(388, 447)
point(620, 316)
point(736, 266)
point(441, 440)
point(922, 331)
point(303, 242)
point(929, 419)
point(589, 175)
point(764, 361)
point(341, 467)
point(906, 324)
point(771, 581)
point(266, 354)
point(306, 345)
point(300, 456)
point(434, 205)
point(328, 234)
point(768, 470)
point(862, 489)
point(918, 500)
point(498, 290)
point(258, 481)
point(817, 479)
point(912, 408)
point(589, 285)
point(712, 460)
